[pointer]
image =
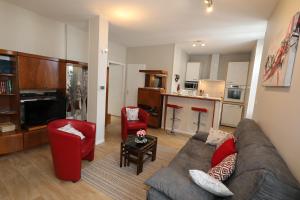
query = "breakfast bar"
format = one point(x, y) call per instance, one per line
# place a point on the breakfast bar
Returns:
point(186, 118)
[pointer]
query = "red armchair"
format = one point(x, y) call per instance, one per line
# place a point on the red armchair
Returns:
point(131, 127)
point(68, 150)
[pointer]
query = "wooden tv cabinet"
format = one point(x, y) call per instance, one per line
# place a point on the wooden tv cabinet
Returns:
point(28, 72)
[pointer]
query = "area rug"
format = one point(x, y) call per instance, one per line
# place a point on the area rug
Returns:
point(123, 183)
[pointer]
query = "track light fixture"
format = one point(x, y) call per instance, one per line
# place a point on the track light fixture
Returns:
point(209, 4)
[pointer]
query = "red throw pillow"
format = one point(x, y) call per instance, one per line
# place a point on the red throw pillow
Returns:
point(226, 149)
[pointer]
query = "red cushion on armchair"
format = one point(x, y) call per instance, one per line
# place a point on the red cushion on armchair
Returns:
point(131, 127)
point(68, 150)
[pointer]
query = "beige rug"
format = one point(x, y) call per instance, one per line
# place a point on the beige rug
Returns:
point(123, 183)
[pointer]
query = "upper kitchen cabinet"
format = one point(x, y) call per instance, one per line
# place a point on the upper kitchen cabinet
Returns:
point(37, 72)
point(193, 71)
point(237, 73)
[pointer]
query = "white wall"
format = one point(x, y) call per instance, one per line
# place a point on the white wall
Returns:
point(77, 44)
point(277, 109)
point(26, 31)
point(154, 57)
point(205, 61)
point(179, 67)
point(116, 52)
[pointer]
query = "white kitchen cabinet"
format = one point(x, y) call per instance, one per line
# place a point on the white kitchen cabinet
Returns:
point(193, 71)
point(237, 73)
point(231, 114)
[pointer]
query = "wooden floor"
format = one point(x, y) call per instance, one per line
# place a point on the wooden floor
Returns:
point(29, 175)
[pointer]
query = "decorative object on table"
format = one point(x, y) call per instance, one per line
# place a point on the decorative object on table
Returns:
point(7, 127)
point(141, 137)
point(280, 62)
point(178, 88)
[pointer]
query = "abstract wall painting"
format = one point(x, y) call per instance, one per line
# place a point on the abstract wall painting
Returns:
point(278, 70)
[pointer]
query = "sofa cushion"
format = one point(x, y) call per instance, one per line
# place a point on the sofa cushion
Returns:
point(226, 149)
point(261, 157)
point(176, 186)
point(194, 155)
point(224, 169)
point(261, 185)
point(154, 194)
point(202, 136)
point(249, 133)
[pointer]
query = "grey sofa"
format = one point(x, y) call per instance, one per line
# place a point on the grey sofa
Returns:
point(260, 172)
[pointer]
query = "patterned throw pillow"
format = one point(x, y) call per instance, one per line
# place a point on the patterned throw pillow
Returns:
point(132, 114)
point(224, 169)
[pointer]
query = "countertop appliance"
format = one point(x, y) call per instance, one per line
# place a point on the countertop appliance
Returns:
point(231, 114)
point(191, 85)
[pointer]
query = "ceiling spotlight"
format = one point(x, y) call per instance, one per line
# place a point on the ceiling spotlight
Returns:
point(209, 4)
point(198, 43)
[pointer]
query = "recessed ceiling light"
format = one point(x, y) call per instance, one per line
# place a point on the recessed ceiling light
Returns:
point(194, 45)
point(203, 44)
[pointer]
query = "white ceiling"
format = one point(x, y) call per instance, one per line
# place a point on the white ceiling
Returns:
point(233, 26)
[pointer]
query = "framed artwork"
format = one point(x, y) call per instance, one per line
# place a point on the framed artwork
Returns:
point(278, 70)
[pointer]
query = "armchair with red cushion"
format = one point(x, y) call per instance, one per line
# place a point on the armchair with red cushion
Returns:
point(68, 150)
point(131, 127)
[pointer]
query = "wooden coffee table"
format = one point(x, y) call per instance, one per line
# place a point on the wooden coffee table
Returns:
point(131, 152)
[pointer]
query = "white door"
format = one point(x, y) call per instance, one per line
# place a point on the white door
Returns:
point(116, 91)
point(134, 80)
point(192, 72)
point(237, 73)
point(231, 115)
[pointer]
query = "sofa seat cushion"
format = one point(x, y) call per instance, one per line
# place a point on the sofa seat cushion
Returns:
point(176, 186)
point(136, 125)
point(194, 155)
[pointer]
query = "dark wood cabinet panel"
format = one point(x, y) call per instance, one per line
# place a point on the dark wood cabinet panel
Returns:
point(37, 73)
point(11, 143)
point(35, 138)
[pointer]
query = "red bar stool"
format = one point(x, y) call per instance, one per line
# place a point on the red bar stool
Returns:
point(174, 107)
point(199, 110)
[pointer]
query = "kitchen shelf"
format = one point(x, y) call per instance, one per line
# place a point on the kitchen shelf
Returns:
point(9, 75)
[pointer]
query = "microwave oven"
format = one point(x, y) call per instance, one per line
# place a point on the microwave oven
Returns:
point(191, 85)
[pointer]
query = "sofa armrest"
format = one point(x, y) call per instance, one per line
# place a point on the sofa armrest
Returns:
point(177, 186)
point(202, 136)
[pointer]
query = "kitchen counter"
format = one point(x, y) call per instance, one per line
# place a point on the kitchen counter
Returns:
point(187, 117)
point(194, 97)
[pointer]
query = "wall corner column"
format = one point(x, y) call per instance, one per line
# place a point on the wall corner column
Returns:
point(97, 61)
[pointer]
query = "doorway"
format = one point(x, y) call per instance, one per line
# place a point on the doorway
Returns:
point(116, 88)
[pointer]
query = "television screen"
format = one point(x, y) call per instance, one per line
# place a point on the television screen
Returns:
point(41, 112)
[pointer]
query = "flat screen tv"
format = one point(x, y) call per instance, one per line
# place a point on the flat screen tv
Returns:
point(41, 112)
